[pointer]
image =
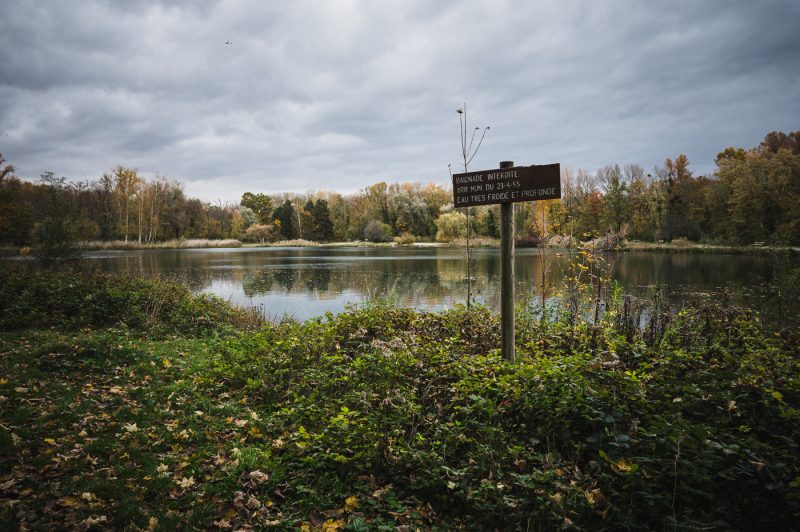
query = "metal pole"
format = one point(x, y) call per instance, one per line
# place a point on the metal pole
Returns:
point(507, 274)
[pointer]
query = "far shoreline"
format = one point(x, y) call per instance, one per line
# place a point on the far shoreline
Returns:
point(680, 246)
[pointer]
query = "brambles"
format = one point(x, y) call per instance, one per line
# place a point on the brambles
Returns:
point(387, 417)
point(71, 299)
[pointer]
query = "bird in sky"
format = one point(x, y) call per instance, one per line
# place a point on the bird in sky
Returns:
point(228, 42)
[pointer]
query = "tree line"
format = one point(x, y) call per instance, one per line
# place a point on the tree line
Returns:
point(752, 196)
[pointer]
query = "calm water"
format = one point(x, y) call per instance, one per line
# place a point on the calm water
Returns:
point(308, 282)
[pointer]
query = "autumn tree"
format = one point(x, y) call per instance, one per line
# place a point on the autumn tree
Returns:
point(6, 198)
point(683, 196)
point(411, 213)
point(248, 216)
point(775, 141)
point(126, 188)
point(451, 225)
point(763, 190)
point(615, 197)
point(378, 201)
point(55, 231)
point(261, 233)
point(641, 219)
point(260, 204)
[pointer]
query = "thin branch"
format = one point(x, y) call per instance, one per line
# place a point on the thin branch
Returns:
point(471, 140)
point(479, 145)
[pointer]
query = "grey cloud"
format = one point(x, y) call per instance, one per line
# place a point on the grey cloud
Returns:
point(336, 95)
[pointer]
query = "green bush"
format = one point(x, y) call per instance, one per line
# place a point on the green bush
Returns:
point(699, 428)
point(689, 421)
point(36, 298)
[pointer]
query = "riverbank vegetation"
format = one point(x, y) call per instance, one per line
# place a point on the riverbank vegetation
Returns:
point(192, 243)
point(132, 403)
point(752, 197)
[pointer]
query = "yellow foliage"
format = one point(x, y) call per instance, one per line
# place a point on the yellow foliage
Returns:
point(332, 525)
point(351, 503)
point(69, 502)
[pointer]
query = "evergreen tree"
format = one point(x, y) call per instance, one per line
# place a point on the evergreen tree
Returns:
point(287, 217)
point(491, 224)
point(307, 229)
point(323, 226)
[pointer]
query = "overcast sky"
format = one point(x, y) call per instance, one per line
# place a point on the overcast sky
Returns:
point(339, 94)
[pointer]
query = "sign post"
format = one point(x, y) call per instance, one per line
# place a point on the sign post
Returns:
point(506, 186)
point(507, 275)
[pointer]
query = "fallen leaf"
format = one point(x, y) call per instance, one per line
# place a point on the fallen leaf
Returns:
point(351, 503)
point(69, 502)
point(93, 521)
point(377, 494)
point(258, 478)
point(596, 498)
point(253, 503)
point(558, 498)
point(186, 482)
point(333, 525)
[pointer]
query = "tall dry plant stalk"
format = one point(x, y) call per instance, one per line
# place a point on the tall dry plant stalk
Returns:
point(467, 154)
point(544, 264)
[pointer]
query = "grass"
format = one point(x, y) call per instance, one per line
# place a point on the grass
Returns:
point(99, 245)
point(299, 242)
point(117, 415)
point(686, 246)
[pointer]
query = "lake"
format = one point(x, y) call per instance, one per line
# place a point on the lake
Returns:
point(306, 282)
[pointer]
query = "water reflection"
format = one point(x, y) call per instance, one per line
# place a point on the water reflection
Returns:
point(307, 282)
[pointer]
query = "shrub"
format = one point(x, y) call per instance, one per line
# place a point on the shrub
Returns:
point(260, 233)
point(451, 226)
point(405, 239)
point(73, 299)
point(376, 231)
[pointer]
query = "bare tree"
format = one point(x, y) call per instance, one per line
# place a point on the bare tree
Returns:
point(468, 151)
point(634, 172)
point(6, 171)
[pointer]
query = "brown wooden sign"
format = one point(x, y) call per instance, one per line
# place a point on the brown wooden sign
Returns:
point(507, 185)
